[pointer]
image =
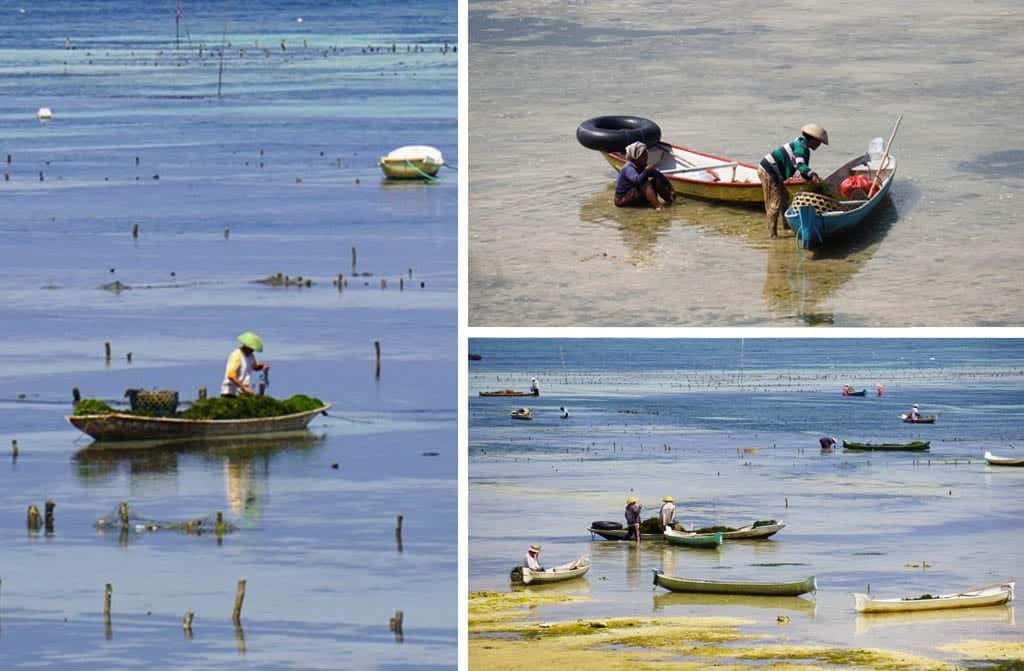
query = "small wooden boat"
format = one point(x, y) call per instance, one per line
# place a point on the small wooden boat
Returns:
point(930, 419)
point(522, 413)
point(753, 531)
point(506, 392)
point(677, 584)
point(118, 426)
point(989, 595)
point(561, 573)
point(706, 176)
point(693, 540)
point(914, 446)
point(412, 162)
point(861, 392)
point(814, 228)
point(1003, 461)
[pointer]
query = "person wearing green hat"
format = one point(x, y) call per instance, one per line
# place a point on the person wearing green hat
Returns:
point(241, 365)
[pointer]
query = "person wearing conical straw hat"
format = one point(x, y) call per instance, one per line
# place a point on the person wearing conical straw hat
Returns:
point(914, 413)
point(667, 515)
point(532, 559)
point(242, 364)
point(783, 163)
point(633, 517)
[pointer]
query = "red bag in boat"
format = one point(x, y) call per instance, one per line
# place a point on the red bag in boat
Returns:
point(855, 183)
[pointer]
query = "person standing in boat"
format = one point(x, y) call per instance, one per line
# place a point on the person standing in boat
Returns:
point(667, 515)
point(641, 184)
point(241, 365)
point(782, 163)
point(534, 386)
point(532, 559)
point(633, 509)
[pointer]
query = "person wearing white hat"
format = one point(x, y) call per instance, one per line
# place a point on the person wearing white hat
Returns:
point(534, 386)
point(667, 515)
point(914, 414)
point(241, 365)
point(633, 509)
point(639, 183)
point(782, 163)
point(532, 559)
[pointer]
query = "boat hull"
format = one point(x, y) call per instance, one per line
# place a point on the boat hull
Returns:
point(122, 427)
point(1003, 461)
point(815, 230)
point(748, 532)
point(752, 588)
point(694, 540)
point(569, 571)
point(915, 446)
point(930, 419)
point(507, 392)
point(408, 169)
point(991, 596)
point(743, 186)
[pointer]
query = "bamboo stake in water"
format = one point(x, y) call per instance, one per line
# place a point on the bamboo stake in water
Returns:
point(236, 616)
point(106, 601)
point(885, 156)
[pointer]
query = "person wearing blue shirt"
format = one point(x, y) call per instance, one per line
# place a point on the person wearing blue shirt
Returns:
point(639, 183)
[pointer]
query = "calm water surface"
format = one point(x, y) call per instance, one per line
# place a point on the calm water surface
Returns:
point(730, 428)
point(286, 161)
point(736, 79)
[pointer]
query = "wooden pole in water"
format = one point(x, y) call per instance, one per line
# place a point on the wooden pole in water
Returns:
point(398, 532)
point(395, 625)
point(236, 616)
point(14, 449)
point(187, 622)
point(135, 231)
point(48, 515)
point(376, 347)
point(106, 601)
point(122, 511)
point(128, 356)
point(353, 260)
point(106, 349)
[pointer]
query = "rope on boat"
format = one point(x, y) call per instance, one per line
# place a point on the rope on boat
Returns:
point(429, 178)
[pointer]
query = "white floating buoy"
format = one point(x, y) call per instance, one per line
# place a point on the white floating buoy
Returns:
point(298, 20)
point(44, 113)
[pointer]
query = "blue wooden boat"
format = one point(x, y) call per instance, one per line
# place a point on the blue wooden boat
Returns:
point(816, 229)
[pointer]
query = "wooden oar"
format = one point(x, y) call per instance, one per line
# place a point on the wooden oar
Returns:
point(885, 156)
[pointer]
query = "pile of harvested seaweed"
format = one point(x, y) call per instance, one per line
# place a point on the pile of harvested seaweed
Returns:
point(240, 407)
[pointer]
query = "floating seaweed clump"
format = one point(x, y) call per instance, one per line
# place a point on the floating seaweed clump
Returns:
point(248, 407)
point(92, 406)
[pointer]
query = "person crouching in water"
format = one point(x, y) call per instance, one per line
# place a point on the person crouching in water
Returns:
point(241, 365)
point(780, 164)
point(639, 183)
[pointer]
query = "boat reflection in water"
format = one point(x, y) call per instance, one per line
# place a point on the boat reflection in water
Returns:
point(797, 282)
point(246, 464)
point(865, 622)
point(682, 599)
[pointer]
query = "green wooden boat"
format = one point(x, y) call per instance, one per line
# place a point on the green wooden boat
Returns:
point(915, 446)
point(693, 540)
point(677, 584)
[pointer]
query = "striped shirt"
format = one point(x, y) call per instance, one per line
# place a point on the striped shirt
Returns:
point(791, 158)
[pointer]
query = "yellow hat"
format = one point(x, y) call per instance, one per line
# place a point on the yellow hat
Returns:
point(667, 499)
point(631, 499)
point(534, 548)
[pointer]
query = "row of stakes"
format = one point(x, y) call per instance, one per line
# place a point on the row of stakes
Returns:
point(395, 623)
point(76, 394)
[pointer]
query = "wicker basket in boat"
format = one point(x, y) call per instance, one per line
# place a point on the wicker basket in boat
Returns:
point(161, 402)
point(819, 202)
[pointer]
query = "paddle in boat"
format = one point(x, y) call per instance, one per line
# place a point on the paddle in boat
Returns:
point(1003, 461)
point(118, 426)
point(930, 419)
point(692, 173)
point(614, 531)
point(989, 595)
point(914, 446)
point(678, 584)
point(692, 539)
point(412, 162)
point(574, 569)
point(522, 413)
point(817, 219)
